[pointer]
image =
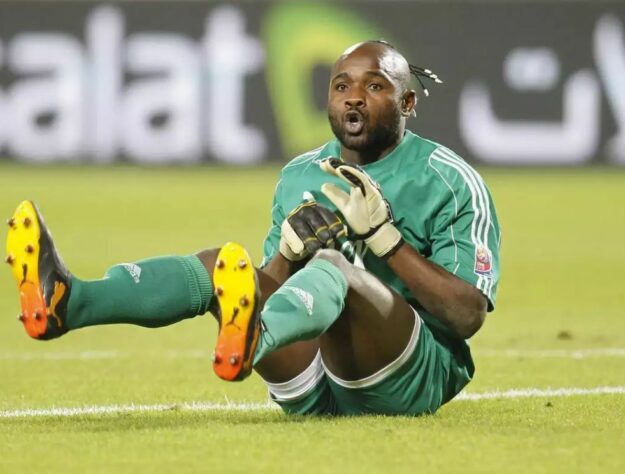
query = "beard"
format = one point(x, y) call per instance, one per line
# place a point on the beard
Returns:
point(371, 138)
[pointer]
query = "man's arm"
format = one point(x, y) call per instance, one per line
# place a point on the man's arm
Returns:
point(459, 305)
point(453, 300)
point(279, 268)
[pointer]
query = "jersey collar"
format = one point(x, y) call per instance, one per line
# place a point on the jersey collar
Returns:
point(335, 150)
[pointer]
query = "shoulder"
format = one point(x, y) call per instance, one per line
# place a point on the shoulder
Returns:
point(301, 162)
point(452, 171)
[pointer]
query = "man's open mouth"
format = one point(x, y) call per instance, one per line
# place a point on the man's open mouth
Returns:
point(354, 122)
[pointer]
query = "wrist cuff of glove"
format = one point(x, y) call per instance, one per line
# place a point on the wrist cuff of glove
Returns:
point(386, 241)
point(287, 253)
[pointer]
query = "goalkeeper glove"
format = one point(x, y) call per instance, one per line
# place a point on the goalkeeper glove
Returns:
point(364, 208)
point(308, 228)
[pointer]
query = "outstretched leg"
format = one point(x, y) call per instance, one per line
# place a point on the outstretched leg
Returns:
point(151, 293)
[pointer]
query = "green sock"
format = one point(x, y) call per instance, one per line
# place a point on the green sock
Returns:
point(151, 293)
point(303, 308)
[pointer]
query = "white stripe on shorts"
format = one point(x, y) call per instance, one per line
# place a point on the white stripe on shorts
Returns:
point(384, 372)
point(301, 385)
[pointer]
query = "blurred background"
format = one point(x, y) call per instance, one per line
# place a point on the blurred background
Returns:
point(244, 82)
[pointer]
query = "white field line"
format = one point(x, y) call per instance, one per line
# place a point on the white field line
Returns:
point(553, 353)
point(617, 352)
point(115, 409)
point(208, 406)
point(540, 392)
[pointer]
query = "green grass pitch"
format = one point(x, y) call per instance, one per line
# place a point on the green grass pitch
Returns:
point(560, 324)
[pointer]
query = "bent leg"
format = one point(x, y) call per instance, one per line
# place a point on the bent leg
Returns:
point(280, 364)
point(374, 329)
point(380, 358)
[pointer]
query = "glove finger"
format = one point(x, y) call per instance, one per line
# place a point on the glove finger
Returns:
point(309, 216)
point(305, 223)
point(356, 177)
point(336, 228)
point(312, 244)
point(350, 174)
point(291, 237)
point(330, 166)
point(301, 208)
point(319, 227)
point(299, 225)
point(336, 195)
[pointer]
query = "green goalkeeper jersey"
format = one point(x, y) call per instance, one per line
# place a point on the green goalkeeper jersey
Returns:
point(440, 205)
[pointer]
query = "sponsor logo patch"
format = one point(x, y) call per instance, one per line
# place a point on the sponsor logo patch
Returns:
point(483, 260)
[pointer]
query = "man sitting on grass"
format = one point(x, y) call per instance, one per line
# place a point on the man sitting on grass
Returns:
point(381, 261)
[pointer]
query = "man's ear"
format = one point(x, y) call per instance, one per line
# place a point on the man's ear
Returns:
point(408, 103)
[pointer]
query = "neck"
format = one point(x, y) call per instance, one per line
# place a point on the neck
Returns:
point(370, 155)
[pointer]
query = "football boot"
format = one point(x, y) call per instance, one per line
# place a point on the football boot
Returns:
point(43, 281)
point(238, 296)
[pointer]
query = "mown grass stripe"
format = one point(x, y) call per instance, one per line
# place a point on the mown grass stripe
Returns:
point(202, 354)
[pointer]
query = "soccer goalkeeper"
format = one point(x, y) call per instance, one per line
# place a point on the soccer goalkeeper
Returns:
point(369, 286)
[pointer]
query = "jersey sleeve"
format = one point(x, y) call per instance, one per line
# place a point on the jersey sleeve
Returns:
point(271, 244)
point(465, 235)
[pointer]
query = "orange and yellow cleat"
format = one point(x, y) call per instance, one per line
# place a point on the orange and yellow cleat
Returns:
point(238, 294)
point(42, 280)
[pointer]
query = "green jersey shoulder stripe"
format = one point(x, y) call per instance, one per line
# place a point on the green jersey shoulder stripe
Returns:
point(480, 202)
point(481, 205)
point(451, 227)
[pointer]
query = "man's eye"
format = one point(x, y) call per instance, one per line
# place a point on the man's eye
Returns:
point(341, 87)
point(374, 86)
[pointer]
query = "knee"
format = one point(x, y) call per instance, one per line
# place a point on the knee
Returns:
point(333, 256)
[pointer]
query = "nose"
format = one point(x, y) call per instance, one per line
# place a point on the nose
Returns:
point(354, 103)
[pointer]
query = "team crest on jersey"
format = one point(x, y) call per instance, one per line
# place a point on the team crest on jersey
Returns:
point(483, 260)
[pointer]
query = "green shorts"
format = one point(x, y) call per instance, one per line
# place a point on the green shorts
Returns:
point(419, 381)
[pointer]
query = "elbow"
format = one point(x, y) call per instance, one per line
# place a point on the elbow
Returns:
point(474, 318)
point(473, 323)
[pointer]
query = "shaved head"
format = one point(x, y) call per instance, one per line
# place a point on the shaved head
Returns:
point(391, 61)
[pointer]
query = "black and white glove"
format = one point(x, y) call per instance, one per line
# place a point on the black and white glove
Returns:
point(364, 208)
point(308, 228)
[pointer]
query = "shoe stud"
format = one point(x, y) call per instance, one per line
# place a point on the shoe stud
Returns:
point(37, 315)
point(244, 301)
point(11, 223)
point(216, 358)
point(20, 317)
point(233, 359)
point(220, 264)
point(219, 290)
point(242, 264)
point(26, 222)
point(30, 249)
point(9, 259)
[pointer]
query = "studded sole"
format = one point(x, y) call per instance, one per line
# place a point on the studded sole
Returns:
point(236, 288)
point(23, 257)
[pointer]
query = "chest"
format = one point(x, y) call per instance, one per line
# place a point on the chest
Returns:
point(411, 199)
